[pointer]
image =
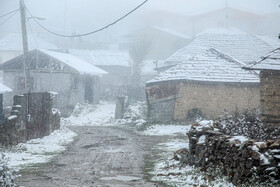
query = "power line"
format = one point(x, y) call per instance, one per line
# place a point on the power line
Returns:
point(92, 32)
point(33, 34)
point(8, 18)
point(9, 13)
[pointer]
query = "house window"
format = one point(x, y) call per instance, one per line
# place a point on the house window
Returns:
point(21, 83)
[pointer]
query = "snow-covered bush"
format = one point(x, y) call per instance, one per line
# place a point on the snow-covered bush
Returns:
point(247, 124)
point(7, 176)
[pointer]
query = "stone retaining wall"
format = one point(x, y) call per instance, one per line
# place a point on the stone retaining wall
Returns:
point(239, 158)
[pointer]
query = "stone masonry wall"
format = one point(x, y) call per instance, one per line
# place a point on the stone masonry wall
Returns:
point(43, 120)
point(241, 159)
point(212, 99)
point(270, 97)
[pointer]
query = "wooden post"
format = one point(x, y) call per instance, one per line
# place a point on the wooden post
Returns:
point(1, 109)
point(25, 52)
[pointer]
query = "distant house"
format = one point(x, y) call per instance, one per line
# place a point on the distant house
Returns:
point(73, 79)
point(240, 45)
point(269, 67)
point(11, 45)
point(162, 41)
point(227, 17)
point(118, 65)
point(207, 83)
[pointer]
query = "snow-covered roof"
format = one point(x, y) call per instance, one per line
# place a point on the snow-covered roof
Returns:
point(110, 57)
point(13, 42)
point(210, 66)
point(172, 32)
point(241, 45)
point(269, 62)
point(4, 89)
point(83, 54)
point(75, 63)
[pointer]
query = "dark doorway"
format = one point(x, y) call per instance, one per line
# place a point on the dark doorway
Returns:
point(89, 89)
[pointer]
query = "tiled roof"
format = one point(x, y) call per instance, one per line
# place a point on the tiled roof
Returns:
point(269, 62)
point(240, 45)
point(212, 65)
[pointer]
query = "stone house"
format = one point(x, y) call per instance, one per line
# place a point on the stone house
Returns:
point(209, 83)
point(240, 45)
point(269, 67)
point(118, 65)
point(74, 80)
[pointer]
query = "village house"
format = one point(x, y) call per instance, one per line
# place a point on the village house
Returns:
point(11, 45)
point(206, 84)
point(269, 67)
point(240, 45)
point(75, 80)
point(162, 42)
point(118, 65)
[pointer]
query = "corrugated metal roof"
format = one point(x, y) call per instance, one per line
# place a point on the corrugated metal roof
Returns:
point(74, 62)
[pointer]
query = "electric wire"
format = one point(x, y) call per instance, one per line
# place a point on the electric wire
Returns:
point(8, 18)
point(33, 34)
point(92, 32)
point(9, 13)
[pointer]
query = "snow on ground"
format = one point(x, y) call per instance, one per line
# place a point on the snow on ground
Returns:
point(42, 150)
point(92, 115)
point(39, 150)
point(170, 172)
point(160, 130)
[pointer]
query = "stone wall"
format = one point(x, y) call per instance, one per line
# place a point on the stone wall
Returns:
point(238, 158)
point(212, 99)
point(19, 127)
point(270, 97)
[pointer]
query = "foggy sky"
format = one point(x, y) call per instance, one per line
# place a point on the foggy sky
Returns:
point(67, 16)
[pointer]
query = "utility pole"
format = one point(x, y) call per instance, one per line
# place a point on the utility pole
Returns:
point(25, 54)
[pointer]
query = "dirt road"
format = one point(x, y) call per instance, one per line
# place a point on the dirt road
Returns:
point(101, 156)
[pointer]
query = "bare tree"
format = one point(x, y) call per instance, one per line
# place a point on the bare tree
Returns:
point(138, 52)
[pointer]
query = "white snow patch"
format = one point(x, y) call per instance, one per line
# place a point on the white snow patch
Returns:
point(201, 139)
point(174, 145)
point(91, 115)
point(160, 130)
point(120, 178)
point(241, 139)
point(39, 150)
point(264, 159)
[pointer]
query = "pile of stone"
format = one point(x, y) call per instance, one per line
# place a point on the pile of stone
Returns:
point(241, 159)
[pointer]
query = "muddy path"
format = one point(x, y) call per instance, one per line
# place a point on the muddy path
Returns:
point(100, 156)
